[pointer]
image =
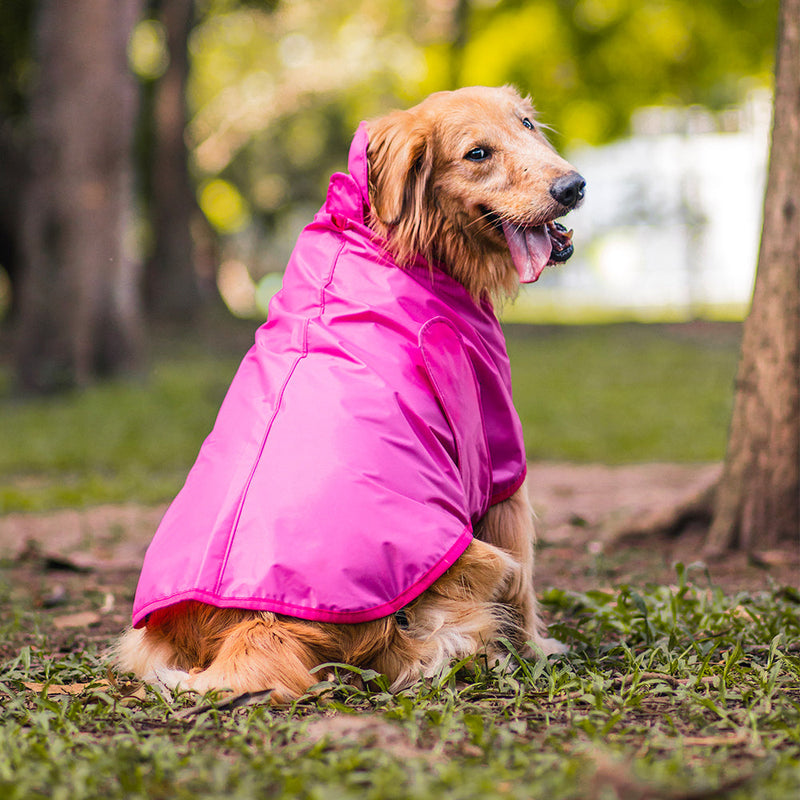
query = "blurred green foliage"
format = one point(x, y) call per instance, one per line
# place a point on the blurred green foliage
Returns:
point(277, 89)
point(624, 393)
point(591, 63)
point(278, 86)
point(16, 56)
point(113, 442)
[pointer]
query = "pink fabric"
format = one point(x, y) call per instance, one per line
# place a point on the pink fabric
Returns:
point(367, 429)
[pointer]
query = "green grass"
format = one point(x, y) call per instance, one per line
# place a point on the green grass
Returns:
point(667, 693)
point(614, 394)
point(624, 393)
point(112, 442)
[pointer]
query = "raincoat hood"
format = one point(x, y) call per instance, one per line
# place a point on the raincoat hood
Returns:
point(365, 432)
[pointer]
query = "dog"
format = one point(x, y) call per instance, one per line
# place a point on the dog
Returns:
point(361, 499)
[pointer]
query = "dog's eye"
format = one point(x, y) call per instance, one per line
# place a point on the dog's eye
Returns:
point(478, 154)
point(527, 123)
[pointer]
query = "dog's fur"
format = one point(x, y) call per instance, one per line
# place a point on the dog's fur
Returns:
point(427, 199)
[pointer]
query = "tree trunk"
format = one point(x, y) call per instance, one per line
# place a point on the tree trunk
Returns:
point(175, 288)
point(79, 303)
point(758, 502)
point(12, 177)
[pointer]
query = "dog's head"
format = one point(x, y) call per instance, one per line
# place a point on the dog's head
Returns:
point(467, 179)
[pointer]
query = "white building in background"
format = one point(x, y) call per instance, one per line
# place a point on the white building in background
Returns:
point(671, 223)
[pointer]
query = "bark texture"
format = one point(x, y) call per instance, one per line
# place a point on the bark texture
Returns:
point(79, 303)
point(758, 502)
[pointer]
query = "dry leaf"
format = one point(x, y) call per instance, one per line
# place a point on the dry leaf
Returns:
point(66, 688)
point(740, 737)
point(82, 619)
point(237, 701)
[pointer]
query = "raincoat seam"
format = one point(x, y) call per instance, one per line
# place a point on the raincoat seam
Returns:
point(268, 427)
point(457, 439)
point(257, 459)
point(328, 281)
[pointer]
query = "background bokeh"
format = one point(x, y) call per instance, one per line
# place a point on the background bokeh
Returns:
point(663, 104)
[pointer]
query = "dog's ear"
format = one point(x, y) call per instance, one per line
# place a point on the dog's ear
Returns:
point(400, 158)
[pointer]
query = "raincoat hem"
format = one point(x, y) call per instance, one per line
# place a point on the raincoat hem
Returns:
point(309, 613)
point(505, 493)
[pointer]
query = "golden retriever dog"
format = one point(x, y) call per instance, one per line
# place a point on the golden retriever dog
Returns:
point(459, 199)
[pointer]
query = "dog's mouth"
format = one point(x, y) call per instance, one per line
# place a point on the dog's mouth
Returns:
point(537, 246)
point(533, 247)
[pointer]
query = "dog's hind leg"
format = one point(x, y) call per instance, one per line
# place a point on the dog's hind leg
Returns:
point(150, 658)
point(509, 525)
point(461, 614)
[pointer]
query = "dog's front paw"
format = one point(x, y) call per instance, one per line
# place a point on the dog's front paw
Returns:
point(166, 679)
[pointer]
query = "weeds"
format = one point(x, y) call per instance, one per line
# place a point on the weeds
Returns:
point(670, 692)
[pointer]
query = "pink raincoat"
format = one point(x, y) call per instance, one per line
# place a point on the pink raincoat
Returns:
point(369, 427)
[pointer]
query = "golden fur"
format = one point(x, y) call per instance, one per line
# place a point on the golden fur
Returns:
point(427, 199)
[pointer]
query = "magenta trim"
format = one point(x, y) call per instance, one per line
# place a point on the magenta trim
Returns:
point(316, 614)
point(505, 493)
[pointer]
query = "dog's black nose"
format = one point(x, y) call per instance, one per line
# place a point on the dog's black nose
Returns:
point(568, 189)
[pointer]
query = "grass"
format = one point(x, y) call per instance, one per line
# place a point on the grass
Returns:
point(668, 692)
point(619, 393)
point(115, 441)
point(624, 393)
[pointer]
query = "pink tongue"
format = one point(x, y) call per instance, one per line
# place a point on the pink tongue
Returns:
point(530, 250)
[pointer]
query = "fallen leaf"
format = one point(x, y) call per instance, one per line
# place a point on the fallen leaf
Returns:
point(82, 619)
point(137, 693)
point(57, 561)
point(66, 688)
point(773, 558)
point(740, 737)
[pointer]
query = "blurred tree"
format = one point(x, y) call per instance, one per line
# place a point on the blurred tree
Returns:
point(180, 272)
point(276, 89)
point(16, 18)
point(12, 175)
point(758, 501)
point(275, 97)
point(591, 63)
point(172, 279)
point(79, 312)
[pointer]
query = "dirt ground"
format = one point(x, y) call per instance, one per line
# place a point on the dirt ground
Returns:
point(82, 566)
